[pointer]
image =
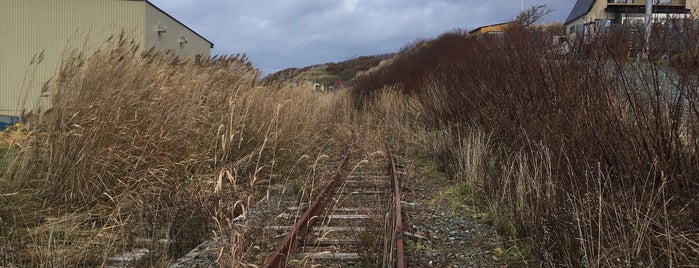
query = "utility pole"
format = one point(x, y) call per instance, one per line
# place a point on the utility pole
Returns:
point(649, 25)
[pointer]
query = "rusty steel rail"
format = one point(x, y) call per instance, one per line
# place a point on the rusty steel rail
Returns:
point(300, 228)
point(398, 229)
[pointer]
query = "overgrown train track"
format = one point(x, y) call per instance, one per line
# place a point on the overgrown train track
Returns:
point(354, 221)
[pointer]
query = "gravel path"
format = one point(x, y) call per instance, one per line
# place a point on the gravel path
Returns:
point(440, 233)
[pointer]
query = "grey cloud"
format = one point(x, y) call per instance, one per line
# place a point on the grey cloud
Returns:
point(277, 34)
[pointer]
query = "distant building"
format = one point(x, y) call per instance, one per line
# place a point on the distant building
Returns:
point(495, 29)
point(35, 33)
point(593, 16)
point(338, 84)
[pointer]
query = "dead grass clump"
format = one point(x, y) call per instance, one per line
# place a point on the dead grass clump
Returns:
point(150, 150)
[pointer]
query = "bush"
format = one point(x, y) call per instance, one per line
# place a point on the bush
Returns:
point(585, 146)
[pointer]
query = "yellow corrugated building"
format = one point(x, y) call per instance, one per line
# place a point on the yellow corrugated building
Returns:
point(34, 34)
point(491, 29)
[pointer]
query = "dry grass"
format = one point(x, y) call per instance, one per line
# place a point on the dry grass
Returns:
point(153, 151)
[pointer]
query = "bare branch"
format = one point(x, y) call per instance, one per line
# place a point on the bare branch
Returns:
point(532, 15)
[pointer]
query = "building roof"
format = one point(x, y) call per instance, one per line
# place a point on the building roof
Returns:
point(581, 8)
point(173, 18)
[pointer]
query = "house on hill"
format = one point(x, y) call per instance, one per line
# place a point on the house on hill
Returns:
point(490, 30)
point(593, 16)
point(35, 34)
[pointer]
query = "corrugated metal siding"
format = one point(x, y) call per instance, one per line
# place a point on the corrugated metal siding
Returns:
point(169, 40)
point(35, 34)
point(495, 28)
point(693, 5)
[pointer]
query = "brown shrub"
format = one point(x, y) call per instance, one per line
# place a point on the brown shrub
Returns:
point(591, 123)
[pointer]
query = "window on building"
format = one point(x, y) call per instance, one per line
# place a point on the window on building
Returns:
point(603, 25)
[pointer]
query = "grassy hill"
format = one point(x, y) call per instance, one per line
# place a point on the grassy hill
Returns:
point(329, 72)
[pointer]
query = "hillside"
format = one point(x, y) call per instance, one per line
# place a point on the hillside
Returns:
point(327, 73)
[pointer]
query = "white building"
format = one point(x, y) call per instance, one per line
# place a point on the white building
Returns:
point(590, 16)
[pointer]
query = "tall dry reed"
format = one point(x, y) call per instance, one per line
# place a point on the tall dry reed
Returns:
point(151, 150)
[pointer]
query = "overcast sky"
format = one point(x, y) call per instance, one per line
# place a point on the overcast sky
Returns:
point(278, 34)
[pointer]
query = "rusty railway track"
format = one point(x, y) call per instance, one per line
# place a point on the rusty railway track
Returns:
point(355, 220)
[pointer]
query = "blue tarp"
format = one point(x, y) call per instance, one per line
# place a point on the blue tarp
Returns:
point(8, 121)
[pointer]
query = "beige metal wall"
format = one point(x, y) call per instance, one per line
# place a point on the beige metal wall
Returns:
point(598, 13)
point(35, 33)
point(694, 6)
point(170, 39)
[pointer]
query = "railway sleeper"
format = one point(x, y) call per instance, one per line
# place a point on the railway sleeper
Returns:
point(340, 209)
point(368, 176)
point(324, 242)
point(329, 256)
point(321, 228)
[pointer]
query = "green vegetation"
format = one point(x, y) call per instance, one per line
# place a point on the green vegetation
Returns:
point(3, 158)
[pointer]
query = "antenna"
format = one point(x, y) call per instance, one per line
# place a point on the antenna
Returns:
point(521, 9)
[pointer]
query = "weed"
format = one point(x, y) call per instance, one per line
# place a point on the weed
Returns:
point(3, 158)
point(418, 247)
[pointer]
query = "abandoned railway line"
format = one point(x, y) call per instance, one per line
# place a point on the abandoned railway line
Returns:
point(347, 213)
point(355, 220)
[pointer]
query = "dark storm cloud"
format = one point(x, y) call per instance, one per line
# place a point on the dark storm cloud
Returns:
point(278, 34)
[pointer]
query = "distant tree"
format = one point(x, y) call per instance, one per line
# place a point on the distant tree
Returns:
point(532, 15)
